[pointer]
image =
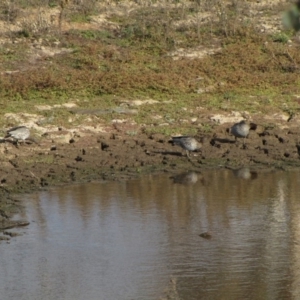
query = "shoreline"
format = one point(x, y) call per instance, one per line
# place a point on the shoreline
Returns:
point(115, 155)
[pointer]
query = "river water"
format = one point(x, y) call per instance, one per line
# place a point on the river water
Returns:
point(217, 234)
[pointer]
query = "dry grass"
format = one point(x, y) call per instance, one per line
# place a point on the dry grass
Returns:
point(111, 69)
point(128, 57)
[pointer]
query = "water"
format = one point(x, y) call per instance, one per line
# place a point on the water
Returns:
point(140, 240)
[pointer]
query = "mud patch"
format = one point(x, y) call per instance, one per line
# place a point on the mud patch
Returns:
point(118, 155)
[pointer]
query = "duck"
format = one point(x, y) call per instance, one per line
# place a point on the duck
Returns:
point(18, 133)
point(188, 143)
point(240, 130)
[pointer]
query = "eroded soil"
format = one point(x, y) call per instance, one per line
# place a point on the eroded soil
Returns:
point(115, 155)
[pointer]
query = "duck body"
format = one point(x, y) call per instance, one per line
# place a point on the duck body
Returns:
point(18, 133)
point(241, 129)
point(187, 143)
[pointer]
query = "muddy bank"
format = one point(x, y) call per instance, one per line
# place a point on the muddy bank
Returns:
point(115, 155)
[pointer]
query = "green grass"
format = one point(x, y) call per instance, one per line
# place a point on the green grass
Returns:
point(280, 37)
point(43, 159)
point(80, 18)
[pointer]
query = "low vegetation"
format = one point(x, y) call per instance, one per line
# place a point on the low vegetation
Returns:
point(187, 55)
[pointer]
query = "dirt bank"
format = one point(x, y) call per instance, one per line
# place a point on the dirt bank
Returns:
point(115, 155)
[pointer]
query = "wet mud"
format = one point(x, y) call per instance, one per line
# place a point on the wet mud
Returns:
point(116, 155)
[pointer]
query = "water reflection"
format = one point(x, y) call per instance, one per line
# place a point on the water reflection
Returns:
point(187, 178)
point(245, 173)
point(141, 239)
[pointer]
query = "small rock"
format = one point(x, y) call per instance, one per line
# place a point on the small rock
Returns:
point(206, 235)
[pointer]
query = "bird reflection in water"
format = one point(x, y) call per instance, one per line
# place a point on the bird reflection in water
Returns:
point(245, 173)
point(187, 178)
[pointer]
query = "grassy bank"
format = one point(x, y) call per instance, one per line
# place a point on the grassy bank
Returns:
point(186, 55)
